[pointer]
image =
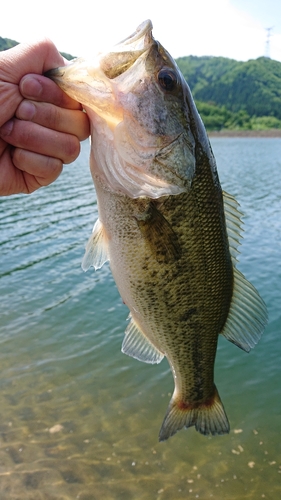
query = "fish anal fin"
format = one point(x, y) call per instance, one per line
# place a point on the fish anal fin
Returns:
point(96, 253)
point(159, 235)
point(208, 417)
point(136, 345)
point(247, 315)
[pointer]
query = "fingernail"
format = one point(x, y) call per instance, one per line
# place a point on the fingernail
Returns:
point(31, 87)
point(7, 128)
point(26, 110)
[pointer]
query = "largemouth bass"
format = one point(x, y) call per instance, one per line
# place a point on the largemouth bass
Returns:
point(167, 229)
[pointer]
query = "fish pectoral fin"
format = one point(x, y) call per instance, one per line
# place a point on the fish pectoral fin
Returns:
point(136, 345)
point(96, 249)
point(247, 315)
point(208, 417)
point(159, 235)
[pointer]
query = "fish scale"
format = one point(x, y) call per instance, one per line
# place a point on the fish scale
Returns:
point(201, 280)
point(167, 229)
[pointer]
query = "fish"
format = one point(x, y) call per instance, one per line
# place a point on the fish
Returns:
point(169, 232)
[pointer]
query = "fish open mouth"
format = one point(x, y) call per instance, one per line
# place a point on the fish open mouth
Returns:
point(111, 63)
point(139, 38)
point(91, 82)
point(126, 53)
point(127, 115)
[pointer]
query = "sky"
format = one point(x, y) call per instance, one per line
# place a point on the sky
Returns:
point(230, 28)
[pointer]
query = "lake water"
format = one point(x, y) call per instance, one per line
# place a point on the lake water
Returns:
point(79, 419)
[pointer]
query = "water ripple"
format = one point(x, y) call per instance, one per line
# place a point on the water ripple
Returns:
point(77, 415)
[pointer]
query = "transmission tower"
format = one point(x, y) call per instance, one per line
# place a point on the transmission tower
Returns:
point(267, 41)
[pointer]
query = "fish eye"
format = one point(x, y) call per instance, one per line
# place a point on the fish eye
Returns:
point(167, 78)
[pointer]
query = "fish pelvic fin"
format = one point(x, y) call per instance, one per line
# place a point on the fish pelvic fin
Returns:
point(208, 417)
point(96, 253)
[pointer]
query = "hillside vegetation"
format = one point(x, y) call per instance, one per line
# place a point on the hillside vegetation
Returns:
point(229, 94)
point(235, 95)
point(6, 43)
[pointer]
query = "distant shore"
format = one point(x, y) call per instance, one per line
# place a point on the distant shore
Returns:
point(246, 133)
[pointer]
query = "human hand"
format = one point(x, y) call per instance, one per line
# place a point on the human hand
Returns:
point(40, 126)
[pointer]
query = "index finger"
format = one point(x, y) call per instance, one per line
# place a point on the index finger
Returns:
point(40, 88)
point(26, 58)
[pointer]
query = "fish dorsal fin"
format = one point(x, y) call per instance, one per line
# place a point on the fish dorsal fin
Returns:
point(233, 224)
point(136, 345)
point(247, 315)
point(96, 249)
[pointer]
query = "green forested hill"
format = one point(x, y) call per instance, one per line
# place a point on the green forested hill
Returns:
point(6, 43)
point(235, 94)
point(229, 94)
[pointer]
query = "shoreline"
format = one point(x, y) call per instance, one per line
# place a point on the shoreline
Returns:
point(275, 133)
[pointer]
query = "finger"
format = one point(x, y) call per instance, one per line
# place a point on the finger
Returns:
point(73, 122)
point(3, 146)
point(28, 58)
point(41, 88)
point(38, 170)
point(44, 141)
point(10, 98)
point(11, 181)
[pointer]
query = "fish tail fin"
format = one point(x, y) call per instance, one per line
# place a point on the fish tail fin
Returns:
point(208, 417)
